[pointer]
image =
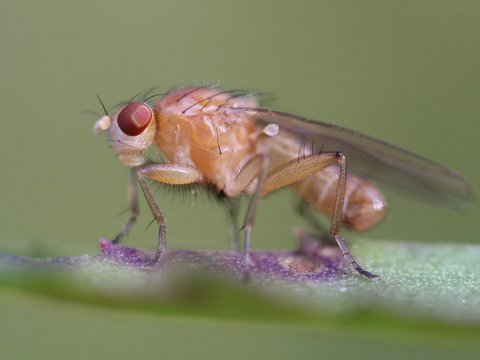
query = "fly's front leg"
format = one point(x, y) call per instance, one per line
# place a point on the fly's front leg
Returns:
point(263, 164)
point(300, 169)
point(167, 174)
point(133, 206)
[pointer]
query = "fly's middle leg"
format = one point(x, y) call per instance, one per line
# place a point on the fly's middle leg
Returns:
point(255, 170)
point(167, 174)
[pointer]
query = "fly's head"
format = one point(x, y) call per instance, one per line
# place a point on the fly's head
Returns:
point(131, 131)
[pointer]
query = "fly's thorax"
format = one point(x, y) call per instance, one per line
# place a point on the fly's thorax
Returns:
point(217, 145)
point(205, 135)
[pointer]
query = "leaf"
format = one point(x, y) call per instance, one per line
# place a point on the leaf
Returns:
point(422, 288)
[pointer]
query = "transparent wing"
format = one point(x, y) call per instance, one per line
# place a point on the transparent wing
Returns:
point(375, 159)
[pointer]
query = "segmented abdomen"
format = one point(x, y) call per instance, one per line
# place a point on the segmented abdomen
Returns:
point(364, 205)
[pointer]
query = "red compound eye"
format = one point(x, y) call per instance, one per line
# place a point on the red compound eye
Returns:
point(134, 118)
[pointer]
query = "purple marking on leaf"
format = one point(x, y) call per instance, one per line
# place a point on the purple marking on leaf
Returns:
point(311, 261)
point(123, 255)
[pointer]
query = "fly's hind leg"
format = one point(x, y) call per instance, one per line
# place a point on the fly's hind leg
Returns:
point(337, 217)
point(133, 206)
point(167, 174)
point(300, 169)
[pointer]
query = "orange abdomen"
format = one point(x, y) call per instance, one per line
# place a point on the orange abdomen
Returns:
point(364, 204)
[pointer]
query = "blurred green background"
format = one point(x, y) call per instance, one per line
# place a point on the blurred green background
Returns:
point(404, 71)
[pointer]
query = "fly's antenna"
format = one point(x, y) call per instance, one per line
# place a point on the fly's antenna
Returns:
point(104, 122)
point(103, 105)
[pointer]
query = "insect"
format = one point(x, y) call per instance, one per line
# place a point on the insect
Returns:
point(225, 141)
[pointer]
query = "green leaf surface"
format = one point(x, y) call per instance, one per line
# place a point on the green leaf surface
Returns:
point(422, 288)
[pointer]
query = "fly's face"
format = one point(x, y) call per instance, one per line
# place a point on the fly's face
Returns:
point(131, 130)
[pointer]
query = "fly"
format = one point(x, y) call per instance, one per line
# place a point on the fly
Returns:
point(224, 140)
